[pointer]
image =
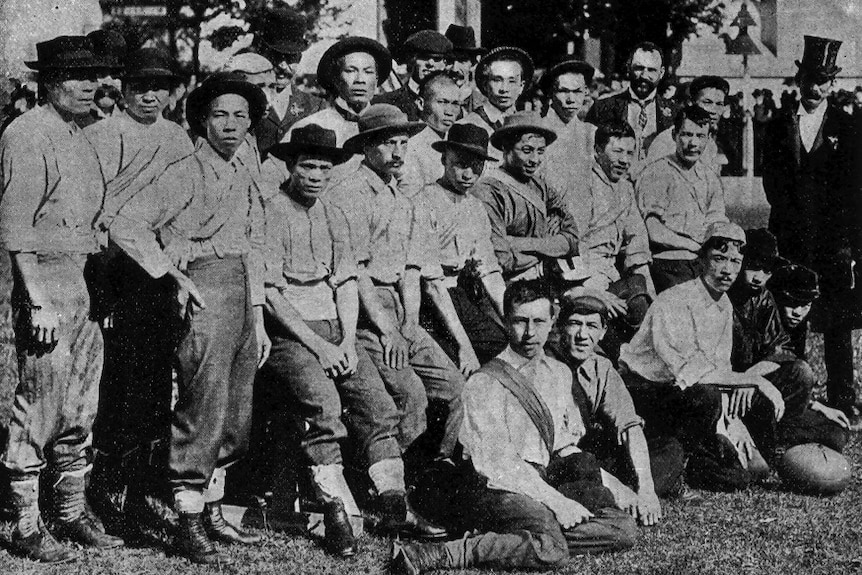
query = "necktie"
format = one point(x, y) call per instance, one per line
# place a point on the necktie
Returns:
point(642, 117)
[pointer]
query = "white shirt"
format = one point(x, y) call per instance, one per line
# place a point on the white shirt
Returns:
point(809, 123)
point(634, 111)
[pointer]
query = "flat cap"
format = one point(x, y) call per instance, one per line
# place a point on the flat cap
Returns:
point(726, 230)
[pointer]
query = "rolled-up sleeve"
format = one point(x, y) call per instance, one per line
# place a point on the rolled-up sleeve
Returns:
point(507, 255)
point(635, 237)
point(423, 250)
point(344, 266)
point(257, 242)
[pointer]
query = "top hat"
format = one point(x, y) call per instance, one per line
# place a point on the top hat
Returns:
point(151, 63)
point(217, 85)
point(566, 67)
point(326, 69)
point(282, 30)
point(819, 57)
point(463, 40)
point(505, 53)
point(468, 138)
point(427, 42)
point(761, 249)
point(310, 139)
point(65, 53)
point(109, 47)
point(522, 123)
point(794, 284)
point(380, 119)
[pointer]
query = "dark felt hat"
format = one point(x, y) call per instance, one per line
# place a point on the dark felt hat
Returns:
point(582, 305)
point(311, 139)
point(819, 57)
point(466, 138)
point(151, 63)
point(65, 53)
point(761, 249)
point(427, 42)
point(109, 48)
point(282, 30)
point(217, 85)
point(463, 40)
point(794, 284)
point(702, 82)
point(566, 67)
point(505, 53)
point(326, 69)
point(522, 123)
point(378, 120)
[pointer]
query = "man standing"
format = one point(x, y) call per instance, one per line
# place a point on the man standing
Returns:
point(679, 198)
point(641, 106)
point(52, 193)
point(465, 54)
point(530, 221)
point(439, 108)
point(207, 212)
point(809, 182)
point(424, 53)
point(279, 36)
point(132, 427)
point(530, 497)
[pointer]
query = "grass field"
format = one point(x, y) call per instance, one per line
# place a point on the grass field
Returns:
point(762, 530)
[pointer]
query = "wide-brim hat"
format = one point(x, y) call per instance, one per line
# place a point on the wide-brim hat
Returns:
point(505, 53)
point(109, 47)
point(310, 139)
point(566, 67)
point(217, 85)
point(326, 69)
point(521, 123)
point(151, 63)
point(467, 138)
point(819, 56)
point(463, 40)
point(65, 53)
point(282, 30)
point(379, 120)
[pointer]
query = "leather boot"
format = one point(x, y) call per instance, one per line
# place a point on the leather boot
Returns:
point(396, 516)
point(193, 544)
point(339, 539)
point(220, 530)
point(415, 558)
point(107, 491)
point(145, 505)
point(29, 537)
point(75, 519)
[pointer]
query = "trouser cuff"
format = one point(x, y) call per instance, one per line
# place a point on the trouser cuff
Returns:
point(188, 500)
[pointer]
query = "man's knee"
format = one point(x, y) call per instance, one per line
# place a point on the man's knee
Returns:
point(610, 530)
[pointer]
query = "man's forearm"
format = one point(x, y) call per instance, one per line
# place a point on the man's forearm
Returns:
point(347, 305)
point(661, 235)
point(495, 285)
point(285, 314)
point(411, 295)
point(556, 246)
point(442, 303)
point(638, 450)
point(28, 268)
point(370, 303)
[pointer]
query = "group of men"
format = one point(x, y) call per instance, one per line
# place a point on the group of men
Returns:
point(536, 326)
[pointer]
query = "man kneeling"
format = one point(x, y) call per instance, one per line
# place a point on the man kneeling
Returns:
point(532, 495)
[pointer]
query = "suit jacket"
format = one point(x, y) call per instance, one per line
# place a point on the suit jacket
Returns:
point(403, 99)
point(272, 129)
point(616, 108)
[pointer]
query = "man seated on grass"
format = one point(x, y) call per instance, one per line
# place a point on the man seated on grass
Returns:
point(760, 343)
point(679, 363)
point(614, 430)
point(529, 493)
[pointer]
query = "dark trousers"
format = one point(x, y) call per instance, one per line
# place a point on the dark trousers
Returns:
point(58, 389)
point(217, 359)
point(487, 336)
point(838, 356)
point(668, 273)
point(620, 330)
point(305, 392)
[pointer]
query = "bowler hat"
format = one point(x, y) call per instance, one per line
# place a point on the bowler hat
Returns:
point(380, 119)
point(505, 53)
point(566, 67)
point(310, 139)
point(326, 69)
point(794, 284)
point(522, 123)
point(109, 47)
point(463, 40)
point(151, 63)
point(65, 53)
point(468, 138)
point(761, 249)
point(217, 85)
point(427, 42)
point(282, 30)
point(819, 57)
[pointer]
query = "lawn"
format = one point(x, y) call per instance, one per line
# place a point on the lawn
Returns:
point(762, 530)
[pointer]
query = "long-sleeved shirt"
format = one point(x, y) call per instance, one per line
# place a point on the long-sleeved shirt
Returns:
point(569, 159)
point(386, 233)
point(308, 254)
point(685, 335)
point(490, 119)
point(525, 209)
point(500, 438)
point(686, 201)
point(460, 223)
point(52, 186)
point(758, 334)
point(424, 160)
point(201, 206)
point(610, 224)
point(133, 154)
